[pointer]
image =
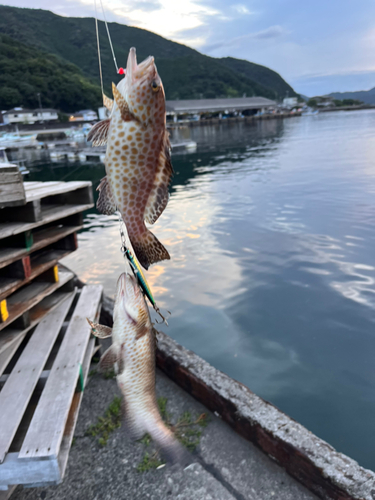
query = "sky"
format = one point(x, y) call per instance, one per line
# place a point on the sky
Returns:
point(317, 46)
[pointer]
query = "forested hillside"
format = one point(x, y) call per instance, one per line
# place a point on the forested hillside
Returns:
point(25, 71)
point(185, 72)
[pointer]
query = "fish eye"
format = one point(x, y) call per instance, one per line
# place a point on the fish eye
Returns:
point(155, 87)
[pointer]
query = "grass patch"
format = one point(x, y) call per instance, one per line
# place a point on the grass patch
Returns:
point(149, 462)
point(108, 423)
point(188, 430)
point(109, 374)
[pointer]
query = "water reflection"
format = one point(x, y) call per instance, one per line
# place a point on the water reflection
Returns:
point(271, 233)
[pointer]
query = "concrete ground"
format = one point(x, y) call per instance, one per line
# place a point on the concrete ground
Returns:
point(226, 467)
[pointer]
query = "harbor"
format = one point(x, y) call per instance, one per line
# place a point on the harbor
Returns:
point(271, 454)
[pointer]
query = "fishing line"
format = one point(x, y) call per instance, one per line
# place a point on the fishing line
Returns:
point(98, 44)
point(109, 37)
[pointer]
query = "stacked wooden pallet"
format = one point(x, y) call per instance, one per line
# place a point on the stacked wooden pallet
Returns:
point(42, 392)
point(42, 351)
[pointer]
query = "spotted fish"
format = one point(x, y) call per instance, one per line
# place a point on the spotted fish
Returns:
point(132, 354)
point(137, 162)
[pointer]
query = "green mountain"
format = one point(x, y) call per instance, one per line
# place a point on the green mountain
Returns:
point(260, 74)
point(185, 72)
point(25, 71)
point(366, 96)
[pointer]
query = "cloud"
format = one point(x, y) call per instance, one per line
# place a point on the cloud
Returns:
point(269, 33)
point(241, 9)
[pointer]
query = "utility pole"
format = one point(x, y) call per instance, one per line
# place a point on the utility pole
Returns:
point(40, 107)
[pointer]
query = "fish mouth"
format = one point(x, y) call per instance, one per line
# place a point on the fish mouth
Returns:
point(127, 286)
point(127, 296)
point(140, 71)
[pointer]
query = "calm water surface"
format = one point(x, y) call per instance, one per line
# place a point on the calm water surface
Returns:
point(271, 231)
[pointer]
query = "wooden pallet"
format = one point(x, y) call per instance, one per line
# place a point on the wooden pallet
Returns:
point(33, 238)
point(42, 393)
point(19, 305)
point(46, 202)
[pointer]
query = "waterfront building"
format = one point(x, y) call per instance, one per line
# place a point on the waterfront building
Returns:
point(29, 116)
point(85, 115)
point(236, 105)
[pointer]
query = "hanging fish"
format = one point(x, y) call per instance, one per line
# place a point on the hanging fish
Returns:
point(137, 161)
point(132, 355)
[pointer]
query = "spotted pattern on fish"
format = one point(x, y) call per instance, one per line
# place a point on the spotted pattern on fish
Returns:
point(137, 160)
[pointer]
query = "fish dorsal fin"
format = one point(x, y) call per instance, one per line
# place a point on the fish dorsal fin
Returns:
point(126, 114)
point(159, 195)
point(107, 102)
point(98, 134)
point(100, 331)
point(106, 203)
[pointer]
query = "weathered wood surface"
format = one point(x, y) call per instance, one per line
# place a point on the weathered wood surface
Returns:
point(41, 264)
point(42, 239)
point(11, 338)
point(12, 191)
point(43, 189)
point(309, 459)
point(20, 385)
point(50, 213)
point(26, 298)
point(45, 433)
point(74, 411)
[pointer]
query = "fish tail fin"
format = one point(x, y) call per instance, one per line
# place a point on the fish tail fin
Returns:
point(166, 442)
point(137, 425)
point(148, 249)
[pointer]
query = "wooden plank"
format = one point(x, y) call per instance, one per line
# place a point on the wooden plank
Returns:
point(74, 411)
point(12, 191)
point(31, 471)
point(50, 214)
point(52, 188)
point(42, 239)
point(46, 429)
point(40, 265)
point(11, 338)
point(28, 297)
point(20, 385)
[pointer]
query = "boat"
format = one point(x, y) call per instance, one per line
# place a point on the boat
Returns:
point(309, 112)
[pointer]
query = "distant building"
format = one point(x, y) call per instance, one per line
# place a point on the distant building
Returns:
point(245, 105)
point(85, 115)
point(290, 102)
point(46, 114)
point(103, 113)
point(323, 100)
point(22, 115)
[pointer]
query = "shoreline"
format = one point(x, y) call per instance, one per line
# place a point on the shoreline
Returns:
point(306, 457)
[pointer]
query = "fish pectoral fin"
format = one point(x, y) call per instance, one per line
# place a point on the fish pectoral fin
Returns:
point(106, 203)
point(98, 134)
point(108, 359)
point(126, 114)
point(142, 328)
point(100, 331)
point(107, 102)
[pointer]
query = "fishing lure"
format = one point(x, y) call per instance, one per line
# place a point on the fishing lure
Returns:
point(138, 274)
